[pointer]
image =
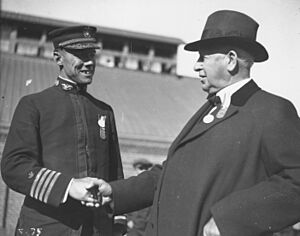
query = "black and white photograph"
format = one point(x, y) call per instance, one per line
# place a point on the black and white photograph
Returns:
point(150, 118)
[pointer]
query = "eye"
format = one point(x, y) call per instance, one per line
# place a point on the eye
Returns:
point(202, 58)
point(92, 53)
point(89, 54)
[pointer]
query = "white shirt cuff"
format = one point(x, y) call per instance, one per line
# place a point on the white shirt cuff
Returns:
point(67, 191)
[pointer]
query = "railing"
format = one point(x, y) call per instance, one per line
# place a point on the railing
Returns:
point(134, 61)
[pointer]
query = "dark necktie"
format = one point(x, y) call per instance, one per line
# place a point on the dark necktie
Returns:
point(213, 99)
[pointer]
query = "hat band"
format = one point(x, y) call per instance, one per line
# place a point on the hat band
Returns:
point(218, 33)
point(79, 40)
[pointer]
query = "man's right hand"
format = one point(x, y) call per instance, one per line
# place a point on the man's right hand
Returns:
point(79, 190)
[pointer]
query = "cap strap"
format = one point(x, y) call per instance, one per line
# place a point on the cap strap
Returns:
point(71, 41)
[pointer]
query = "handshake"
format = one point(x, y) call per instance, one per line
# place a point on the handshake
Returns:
point(92, 192)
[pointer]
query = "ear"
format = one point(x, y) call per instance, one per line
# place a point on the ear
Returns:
point(58, 58)
point(232, 65)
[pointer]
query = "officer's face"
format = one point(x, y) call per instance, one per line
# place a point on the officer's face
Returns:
point(78, 65)
point(212, 70)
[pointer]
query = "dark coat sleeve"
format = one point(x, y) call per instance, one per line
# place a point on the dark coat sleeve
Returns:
point(116, 171)
point(136, 192)
point(21, 165)
point(274, 203)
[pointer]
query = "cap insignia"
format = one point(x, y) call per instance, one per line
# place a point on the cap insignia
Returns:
point(87, 34)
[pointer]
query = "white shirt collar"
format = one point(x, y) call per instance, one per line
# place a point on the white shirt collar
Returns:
point(71, 81)
point(226, 93)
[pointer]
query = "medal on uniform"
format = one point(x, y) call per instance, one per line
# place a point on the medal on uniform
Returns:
point(101, 123)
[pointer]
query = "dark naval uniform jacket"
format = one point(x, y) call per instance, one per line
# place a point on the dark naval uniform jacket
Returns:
point(242, 169)
point(56, 135)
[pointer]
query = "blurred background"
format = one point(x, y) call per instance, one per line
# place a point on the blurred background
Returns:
point(142, 70)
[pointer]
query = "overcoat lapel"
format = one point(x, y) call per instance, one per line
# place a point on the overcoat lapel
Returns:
point(196, 126)
point(201, 127)
point(187, 128)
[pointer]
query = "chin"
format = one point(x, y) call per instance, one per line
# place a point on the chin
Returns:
point(86, 81)
point(205, 89)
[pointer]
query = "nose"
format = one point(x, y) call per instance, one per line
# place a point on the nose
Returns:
point(89, 63)
point(198, 66)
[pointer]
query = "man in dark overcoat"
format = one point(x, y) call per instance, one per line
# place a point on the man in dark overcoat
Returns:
point(234, 170)
point(60, 141)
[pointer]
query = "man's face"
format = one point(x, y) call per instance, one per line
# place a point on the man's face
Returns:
point(212, 70)
point(78, 65)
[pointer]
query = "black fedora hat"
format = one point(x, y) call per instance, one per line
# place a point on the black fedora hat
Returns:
point(230, 28)
point(142, 164)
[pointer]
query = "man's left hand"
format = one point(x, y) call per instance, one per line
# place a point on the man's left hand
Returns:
point(104, 192)
point(211, 229)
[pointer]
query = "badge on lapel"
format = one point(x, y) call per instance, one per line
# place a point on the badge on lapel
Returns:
point(222, 112)
point(209, 117)
point(102, 128)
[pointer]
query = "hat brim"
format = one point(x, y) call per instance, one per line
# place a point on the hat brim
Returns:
point(257, 50)
point(82, 46)
point(142, 165)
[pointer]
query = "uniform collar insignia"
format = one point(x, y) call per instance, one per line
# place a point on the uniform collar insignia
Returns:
point(68, 85)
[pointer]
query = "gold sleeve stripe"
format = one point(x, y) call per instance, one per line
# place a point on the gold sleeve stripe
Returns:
point(43, 190)
point(36, 181)
point(52, 182)
point(40, 183)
